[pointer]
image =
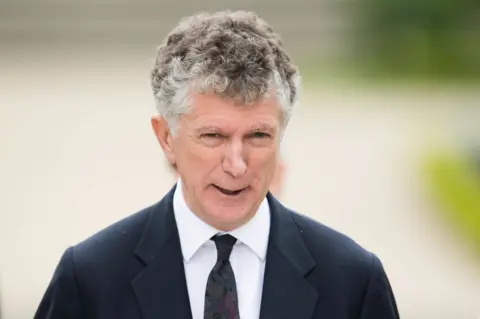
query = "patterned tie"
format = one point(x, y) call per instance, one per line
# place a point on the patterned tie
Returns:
point(221, 301)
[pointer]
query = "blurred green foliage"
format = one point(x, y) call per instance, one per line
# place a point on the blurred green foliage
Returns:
point(454, 182)
point(419, 38)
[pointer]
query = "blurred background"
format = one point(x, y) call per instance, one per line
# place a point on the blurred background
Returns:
point(384, 145)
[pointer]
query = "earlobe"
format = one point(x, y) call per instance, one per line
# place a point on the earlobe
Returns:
point(164, 137)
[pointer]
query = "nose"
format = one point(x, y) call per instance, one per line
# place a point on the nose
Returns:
point(234, 162)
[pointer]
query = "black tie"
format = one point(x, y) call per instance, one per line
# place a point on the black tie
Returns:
point(221, 300)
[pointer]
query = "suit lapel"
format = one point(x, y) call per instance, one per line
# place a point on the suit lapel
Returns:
point(161, 287)
point(286, 291)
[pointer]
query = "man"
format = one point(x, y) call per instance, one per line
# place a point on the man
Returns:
point(219, 245)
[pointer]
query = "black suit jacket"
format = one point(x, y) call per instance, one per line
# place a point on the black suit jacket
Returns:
point(134, 269)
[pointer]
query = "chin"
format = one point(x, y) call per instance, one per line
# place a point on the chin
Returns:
point(229, 209)
point(230, 216)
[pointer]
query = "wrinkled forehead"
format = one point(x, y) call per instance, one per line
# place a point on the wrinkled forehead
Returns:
point(210, 110)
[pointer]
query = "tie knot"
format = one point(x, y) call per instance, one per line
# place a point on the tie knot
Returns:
point(224, 245)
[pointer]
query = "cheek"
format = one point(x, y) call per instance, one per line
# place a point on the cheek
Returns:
point(199, 160)
point(263, 165)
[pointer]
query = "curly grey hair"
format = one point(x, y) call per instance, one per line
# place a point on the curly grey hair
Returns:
point(233, 54)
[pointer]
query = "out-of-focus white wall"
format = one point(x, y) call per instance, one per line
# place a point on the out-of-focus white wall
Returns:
point(78, 154)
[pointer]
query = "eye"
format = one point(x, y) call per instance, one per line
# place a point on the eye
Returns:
point(211, 135)
point(259, 135)
point(212, 139)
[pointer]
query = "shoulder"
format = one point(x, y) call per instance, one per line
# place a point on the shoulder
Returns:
point(353, 276)
point(341, 264)
point(331, 248)
point(104, 262)
point(115, 244)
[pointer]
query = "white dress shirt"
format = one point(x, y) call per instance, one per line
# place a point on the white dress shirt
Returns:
point(200, 255)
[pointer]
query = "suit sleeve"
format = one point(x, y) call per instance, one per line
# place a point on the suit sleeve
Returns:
point(62, 298)
point(378, 301)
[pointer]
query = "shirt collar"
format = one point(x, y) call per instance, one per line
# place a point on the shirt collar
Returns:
point(194, 232)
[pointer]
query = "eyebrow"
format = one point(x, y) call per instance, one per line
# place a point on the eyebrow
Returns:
point(262, 127)
point(254, 128)
point(207, 128)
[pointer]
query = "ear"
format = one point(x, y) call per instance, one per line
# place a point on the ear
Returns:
point(164, 137)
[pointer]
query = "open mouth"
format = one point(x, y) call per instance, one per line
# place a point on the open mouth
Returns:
point(229, 192)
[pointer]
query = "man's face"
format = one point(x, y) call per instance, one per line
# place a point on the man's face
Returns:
point(226, 156)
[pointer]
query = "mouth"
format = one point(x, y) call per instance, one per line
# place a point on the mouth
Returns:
point(229, 192)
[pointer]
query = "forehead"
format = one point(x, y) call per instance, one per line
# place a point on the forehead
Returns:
point(212, 110)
